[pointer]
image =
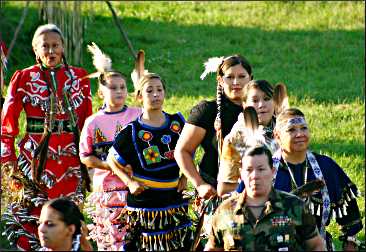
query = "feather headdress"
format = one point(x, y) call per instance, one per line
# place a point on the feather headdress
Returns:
point(139, 69)
point(245, 133)
point(211, 66)
point(101, 61)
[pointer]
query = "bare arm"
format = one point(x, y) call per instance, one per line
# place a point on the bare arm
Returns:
point(188, 142)
point(315, 244)
point(94, 162)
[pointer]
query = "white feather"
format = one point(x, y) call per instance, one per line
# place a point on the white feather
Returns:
point(211, 66)
point(243, 137)
point(101, 61)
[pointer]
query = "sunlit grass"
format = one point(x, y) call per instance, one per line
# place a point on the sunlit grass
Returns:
point(316, 48)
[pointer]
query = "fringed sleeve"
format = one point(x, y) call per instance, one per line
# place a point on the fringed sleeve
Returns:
point(343, 193)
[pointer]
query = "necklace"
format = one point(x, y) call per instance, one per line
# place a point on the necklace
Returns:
point(292, 175)
point(325, 215)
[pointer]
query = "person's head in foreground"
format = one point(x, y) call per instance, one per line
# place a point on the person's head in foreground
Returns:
point(284, 222)
point(257, 172)
point(60, 225)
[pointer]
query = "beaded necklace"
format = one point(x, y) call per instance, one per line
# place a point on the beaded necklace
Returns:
point(292, 175)
point(318, 175)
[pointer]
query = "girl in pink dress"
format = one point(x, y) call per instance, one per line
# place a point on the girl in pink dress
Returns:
point(105, 204)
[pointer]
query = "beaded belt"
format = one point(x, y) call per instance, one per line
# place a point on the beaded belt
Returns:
point(36, 125)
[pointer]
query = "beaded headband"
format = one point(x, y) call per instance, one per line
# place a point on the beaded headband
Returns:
point(290, 122)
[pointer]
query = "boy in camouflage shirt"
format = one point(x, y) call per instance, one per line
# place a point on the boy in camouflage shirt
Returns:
point(262, 218)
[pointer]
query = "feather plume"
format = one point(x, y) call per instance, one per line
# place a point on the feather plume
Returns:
point(91, 76)
point(140, 63)
point(246, 132)
point(280, 98)
point(211, 66)
point(101, 61)
point(139, 69)
point(250, 118)
point(253, 134)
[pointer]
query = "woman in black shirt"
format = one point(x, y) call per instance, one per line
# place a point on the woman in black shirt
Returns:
point(210, 121)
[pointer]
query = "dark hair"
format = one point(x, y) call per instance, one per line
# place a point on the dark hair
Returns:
point(260, 150)
point(69, 212)
point(227, 62)
point(112, 73)
point(234, 60)
point(263, 85)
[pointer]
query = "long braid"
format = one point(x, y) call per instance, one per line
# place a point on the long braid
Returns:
point(220, 65)
point(218, 122)
point(83, 169)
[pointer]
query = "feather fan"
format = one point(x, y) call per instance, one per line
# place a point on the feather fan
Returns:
point(246, 132)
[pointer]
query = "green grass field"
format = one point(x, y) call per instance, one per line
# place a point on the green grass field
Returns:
point(316, 48)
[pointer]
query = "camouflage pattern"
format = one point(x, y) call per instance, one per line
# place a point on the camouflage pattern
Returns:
point(283, 225)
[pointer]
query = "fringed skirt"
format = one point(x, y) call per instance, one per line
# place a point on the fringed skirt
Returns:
point(21, 215)
point(211, 206)
point(159, 229)
point(109, 225)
